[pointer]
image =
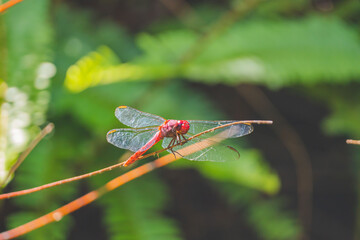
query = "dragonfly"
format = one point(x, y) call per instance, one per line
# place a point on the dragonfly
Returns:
point(148, 129)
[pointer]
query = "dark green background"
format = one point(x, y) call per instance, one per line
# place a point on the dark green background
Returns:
point(294, 62)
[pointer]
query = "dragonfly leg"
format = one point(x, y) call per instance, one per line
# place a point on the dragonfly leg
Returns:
point(178, 140)
point(171, 143)
point(173, 152)
point(184, 139)
point(178, 153)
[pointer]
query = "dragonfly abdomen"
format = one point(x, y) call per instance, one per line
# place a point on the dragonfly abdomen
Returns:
point(155, 139)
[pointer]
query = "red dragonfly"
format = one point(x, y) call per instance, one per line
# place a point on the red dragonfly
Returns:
point(148, 129)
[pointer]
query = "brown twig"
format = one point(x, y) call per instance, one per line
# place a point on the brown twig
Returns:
point(351, 141)
point(46, 130)
point(8, 4)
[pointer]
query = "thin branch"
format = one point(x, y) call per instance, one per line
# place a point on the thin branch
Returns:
point(8, 4)
point(351, 141)
point(46, 130)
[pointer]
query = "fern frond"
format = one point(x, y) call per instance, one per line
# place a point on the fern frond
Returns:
point(275, 53)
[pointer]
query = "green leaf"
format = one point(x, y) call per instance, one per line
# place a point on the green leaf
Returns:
point(101, 67)
point(272, 52)
point(279, 53)
point(249, 171)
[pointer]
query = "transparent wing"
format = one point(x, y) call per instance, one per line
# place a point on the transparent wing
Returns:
point(137, 119)
point(218, 151)
point(197, 126)
point(130, 138)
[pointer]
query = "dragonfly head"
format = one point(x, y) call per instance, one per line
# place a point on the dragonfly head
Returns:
point(183, 126)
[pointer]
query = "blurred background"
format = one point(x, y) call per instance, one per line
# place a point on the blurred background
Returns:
point(294, 62)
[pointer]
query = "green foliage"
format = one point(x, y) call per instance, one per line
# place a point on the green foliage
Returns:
point(78, 34)
point(43, 166)
point(344, 119)
point(103, 67)
point(3, 88)
point(268, 217)
point(94, 115)
point(27, 77)
point(97, 62)
point(262, 51)
point(271, 222)
point(249, 171)
point(283, 7)
point(27, 48)
point(3, 55)
point(259, 51)
point(344, 102)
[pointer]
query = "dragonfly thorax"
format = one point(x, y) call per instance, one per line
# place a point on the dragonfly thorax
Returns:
point(172, 128)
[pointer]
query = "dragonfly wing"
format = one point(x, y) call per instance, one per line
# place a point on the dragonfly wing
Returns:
point(242, 129)
point(137, 119)
point(130, 138)
point(217, 151)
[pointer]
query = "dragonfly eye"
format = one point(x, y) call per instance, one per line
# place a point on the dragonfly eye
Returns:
point(183, 127)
